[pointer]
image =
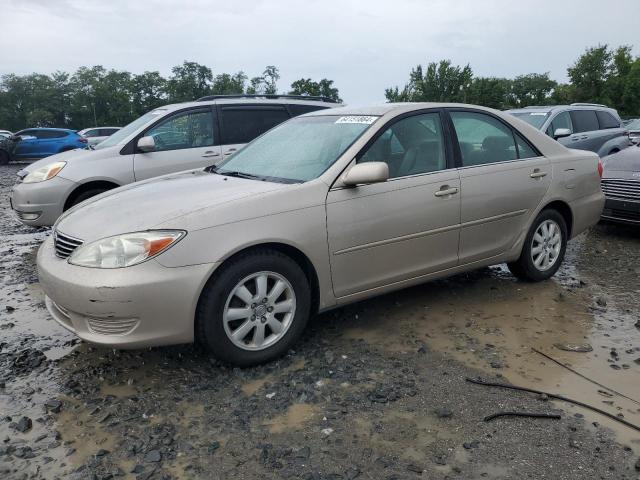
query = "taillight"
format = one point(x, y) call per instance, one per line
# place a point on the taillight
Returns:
point(82, 140)
point(600, 168)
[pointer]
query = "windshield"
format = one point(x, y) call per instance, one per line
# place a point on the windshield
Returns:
point(118, 137)
point(535, 119)
point(298, 150)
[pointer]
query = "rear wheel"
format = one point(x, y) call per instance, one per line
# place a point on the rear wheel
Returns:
point(254, 309)
point(544, 248)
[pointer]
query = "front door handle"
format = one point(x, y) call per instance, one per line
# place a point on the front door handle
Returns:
point(210, 154)
point(445, 190)
point(538, 174)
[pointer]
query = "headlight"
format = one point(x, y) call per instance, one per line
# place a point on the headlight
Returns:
point(125, 250)
point(44, 173)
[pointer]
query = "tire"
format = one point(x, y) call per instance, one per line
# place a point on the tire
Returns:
point(4, 158)
point(532, 265)
point(85, 196)
point(219, 305)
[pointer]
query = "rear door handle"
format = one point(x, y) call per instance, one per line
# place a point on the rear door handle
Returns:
point(445, 190)
point(538, 174)
point(210, 154)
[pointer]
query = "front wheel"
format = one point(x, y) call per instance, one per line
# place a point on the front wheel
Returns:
point(4, 158)
point(544, 248)
point(254, 309)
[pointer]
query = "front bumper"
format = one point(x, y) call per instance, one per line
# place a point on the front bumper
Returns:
point(140, 306)
point(44, 199)
point(622, 211)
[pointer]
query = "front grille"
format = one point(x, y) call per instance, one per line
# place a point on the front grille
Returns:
point(112, 326)
point(619, 188)
point(64, 244)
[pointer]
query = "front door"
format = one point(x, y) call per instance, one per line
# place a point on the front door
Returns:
point(405, 227)
point(503, 180)
point(183, 141)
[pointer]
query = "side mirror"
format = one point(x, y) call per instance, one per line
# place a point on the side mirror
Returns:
point(561, 133)
point(146, 144)
point(366, 173)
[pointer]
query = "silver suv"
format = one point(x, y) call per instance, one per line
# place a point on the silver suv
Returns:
point(168, 139)
point(584, 126)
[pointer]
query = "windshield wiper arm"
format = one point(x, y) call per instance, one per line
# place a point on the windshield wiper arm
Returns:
point(241, 175)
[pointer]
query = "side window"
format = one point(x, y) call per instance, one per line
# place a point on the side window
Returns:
point(483, 139)
point(606, 120)
point(410, 146)
point(184, 130)
point(243, 124)
point(49, 134)
point(105, 132)
point(562, 120)
point(92, 133)
point(524, 149)
point(300, 109)
point(584, 121)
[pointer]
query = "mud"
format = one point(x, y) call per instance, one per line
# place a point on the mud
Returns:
point(373, 390)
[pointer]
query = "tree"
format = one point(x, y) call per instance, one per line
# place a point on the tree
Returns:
point(323, 88)
point(189, 82)
point(265, 84)
point(226, 84)
point(148, 91)
point(489, 91)
point(441, 82)
point(589, 75)
point(531, 89)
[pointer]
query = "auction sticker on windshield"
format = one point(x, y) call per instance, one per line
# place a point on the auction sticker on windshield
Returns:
point(367, 120)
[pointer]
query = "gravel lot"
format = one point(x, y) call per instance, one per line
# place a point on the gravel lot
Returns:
point(375, 390)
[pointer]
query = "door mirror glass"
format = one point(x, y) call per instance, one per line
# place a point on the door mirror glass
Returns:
point(147, 144)
point(366, 173)
point(561, 133)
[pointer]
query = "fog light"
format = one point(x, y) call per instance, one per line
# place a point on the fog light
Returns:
point(29, 215)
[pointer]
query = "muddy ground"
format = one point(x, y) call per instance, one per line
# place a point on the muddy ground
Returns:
point(375, 390)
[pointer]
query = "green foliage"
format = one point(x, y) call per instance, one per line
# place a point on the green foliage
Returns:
point(323, 88)
point(599, 75)
point(96, 96)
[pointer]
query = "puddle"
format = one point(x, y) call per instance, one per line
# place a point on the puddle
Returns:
point(489, 321)
point(296, 416)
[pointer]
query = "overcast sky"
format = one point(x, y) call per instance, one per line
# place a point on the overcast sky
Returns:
point(364, 46)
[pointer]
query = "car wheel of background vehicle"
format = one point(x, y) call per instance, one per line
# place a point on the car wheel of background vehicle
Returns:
point(543, 249)
point(82, 196)
point(254, 309)
point(4, 158)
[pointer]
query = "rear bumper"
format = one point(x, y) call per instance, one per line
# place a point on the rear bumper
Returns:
point(622, 211)
point(586, 212)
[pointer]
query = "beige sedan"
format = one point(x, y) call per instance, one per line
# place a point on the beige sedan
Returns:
point(326, 209)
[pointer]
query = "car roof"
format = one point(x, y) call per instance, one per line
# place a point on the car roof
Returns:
point(551, 108)
point(231, 100)
point(48, 129)
point(400, 107)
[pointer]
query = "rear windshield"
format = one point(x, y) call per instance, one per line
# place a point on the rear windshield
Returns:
point(535, 119)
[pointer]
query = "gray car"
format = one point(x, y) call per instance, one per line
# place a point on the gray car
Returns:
point(583, 126)
point(621, 186)
point(168, 139)
point(326, 209)
point(97, 134)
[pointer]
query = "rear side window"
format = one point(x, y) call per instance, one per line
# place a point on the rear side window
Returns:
point(524, 149)
point(483, 139)
point(243, 124)
point(584, 121)
point(297, 109)
point(48, 134)
point(606, 120)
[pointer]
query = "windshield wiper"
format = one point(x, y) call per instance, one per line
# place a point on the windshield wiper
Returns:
point(232, 173)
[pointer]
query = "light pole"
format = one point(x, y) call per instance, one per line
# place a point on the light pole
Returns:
point(93, 105)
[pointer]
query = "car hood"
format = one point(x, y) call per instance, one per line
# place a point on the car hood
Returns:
point(623, 164)
point(70, 156)
point(161, 203)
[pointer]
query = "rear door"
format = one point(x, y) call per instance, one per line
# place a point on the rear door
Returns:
point(51, 141)
point(239, 124)
point(503, 180)
point(184, 140)
point(28, 146)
